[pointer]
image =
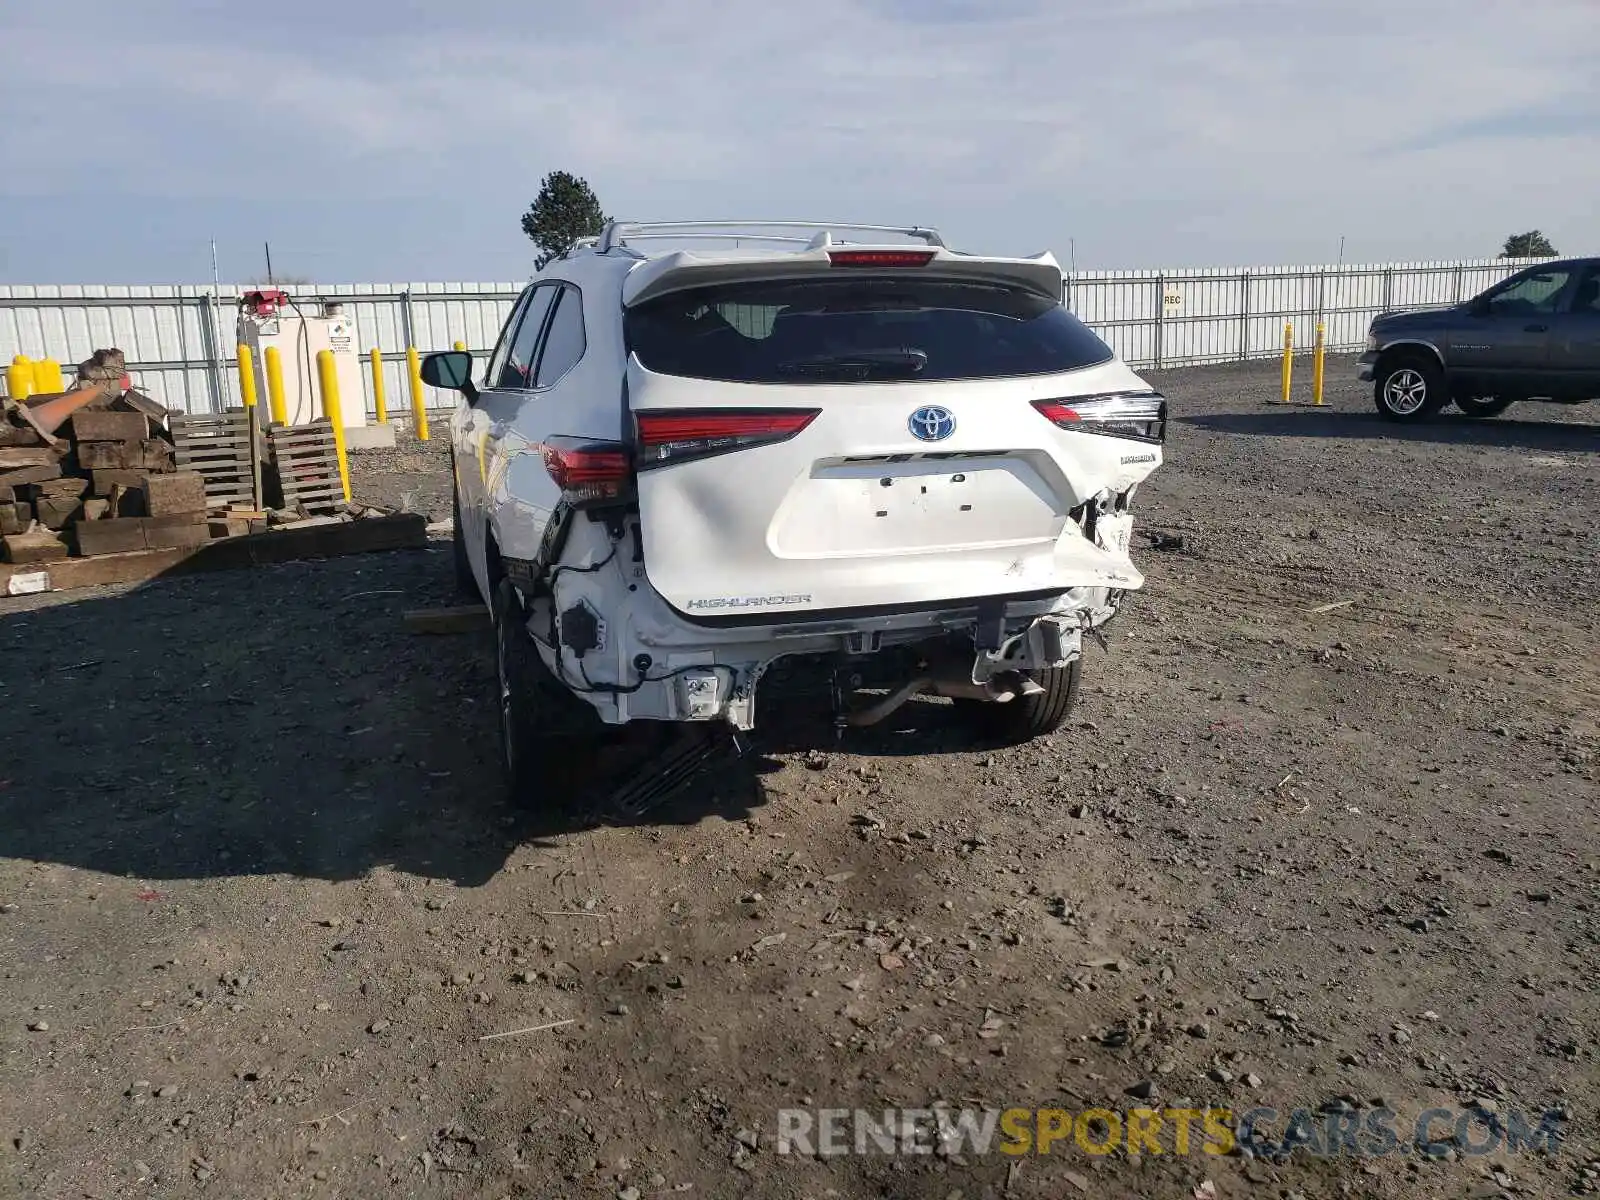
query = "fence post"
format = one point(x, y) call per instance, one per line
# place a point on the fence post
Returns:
point(1161, 308)
point(407, 319)
point(212, 333)
point(1388, 288)
point(1244, 316)
point(1455, 285)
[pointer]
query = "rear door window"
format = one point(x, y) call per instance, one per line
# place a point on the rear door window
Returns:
point(859, 330)
point(1537, 292)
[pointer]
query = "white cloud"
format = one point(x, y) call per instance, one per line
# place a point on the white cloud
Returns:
point(1150, 130)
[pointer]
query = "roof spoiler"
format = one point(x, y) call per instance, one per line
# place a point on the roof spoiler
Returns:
point(683, 269)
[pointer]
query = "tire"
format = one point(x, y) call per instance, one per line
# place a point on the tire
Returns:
point(466, 584)
point(548, 736)
point(1029, 717)
point(1483, 408)
point(1409, 388)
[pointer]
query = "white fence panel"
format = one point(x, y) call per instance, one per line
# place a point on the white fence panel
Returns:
point(179, 338)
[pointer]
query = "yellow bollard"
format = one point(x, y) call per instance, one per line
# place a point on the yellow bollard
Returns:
point(19, 378)
point(1288, 360)
point(275, 402)
point(1319, 350)
point(247, 377)
point(47, 378)
point(379, 401)
point(419, 412)
point(461, 346)
point(328, 376)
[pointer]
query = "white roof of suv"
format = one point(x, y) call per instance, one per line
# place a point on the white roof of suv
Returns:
point(782, 253)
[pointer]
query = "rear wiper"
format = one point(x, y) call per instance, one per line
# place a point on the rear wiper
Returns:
point(860, 364)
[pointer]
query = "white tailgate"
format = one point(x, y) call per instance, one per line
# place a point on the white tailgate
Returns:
point(806, 525)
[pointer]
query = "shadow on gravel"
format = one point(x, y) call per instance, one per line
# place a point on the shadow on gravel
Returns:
point(281, 721)
point(729, 787)
point(1447, 429)
point(272, 721)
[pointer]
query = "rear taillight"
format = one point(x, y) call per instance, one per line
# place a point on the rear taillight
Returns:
point(1140, 416)
point(588, 472)
point(879, 258)
point(669, 437)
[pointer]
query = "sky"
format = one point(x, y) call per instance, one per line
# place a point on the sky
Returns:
point(394, 141)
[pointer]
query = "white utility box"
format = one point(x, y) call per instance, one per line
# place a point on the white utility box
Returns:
point(269, 319)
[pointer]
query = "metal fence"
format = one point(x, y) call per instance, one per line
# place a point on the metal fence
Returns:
point(179, 340)
point(1191, 317)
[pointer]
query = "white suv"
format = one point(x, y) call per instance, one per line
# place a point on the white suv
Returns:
point(683, 465)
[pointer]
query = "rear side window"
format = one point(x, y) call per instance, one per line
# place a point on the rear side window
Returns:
point(564, 344)
point(859, 330)
point(518, 369)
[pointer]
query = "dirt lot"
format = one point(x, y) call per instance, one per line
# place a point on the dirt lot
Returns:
point(260, 898)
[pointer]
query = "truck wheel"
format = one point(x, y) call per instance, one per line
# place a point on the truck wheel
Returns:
point(548, 737)
point(1029, 717)
point(1409, 388)
point(1483, 407)
point(465, 583)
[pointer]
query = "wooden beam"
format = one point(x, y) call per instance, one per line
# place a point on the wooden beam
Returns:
point(466, 618)
point(402, 531)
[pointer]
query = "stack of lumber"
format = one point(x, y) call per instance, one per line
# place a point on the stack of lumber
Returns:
point(106, 482)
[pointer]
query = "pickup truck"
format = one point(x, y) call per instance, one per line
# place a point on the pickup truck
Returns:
point(1532, 336)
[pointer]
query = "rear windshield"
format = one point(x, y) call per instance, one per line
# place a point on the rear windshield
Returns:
point(858, 330)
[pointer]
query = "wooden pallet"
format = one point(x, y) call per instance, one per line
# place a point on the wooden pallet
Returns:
point(307, 464)
point(217, 446)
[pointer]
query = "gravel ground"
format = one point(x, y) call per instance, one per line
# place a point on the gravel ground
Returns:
point(260, 898)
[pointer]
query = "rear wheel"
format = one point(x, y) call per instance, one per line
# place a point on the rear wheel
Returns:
point(1482, 407)
point(1027, 717)
point(548, 737)
point(1409, 388)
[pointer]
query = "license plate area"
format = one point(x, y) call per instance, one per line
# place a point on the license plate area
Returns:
point(906, 505)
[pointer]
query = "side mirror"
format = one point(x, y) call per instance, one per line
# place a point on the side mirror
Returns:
point(1478, 306)
point(450, 370)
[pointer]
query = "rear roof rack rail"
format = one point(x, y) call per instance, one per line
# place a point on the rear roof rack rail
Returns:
point(616, 232)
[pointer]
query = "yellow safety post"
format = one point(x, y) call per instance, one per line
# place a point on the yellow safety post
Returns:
point(19, 378)
point(275, 402)
point(247, 377)
point(328, 376)
point(1288, 360)
point(419, 412)
point(47, 377)
point(379, 401)
point(1317, 353)
point(461, 346)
